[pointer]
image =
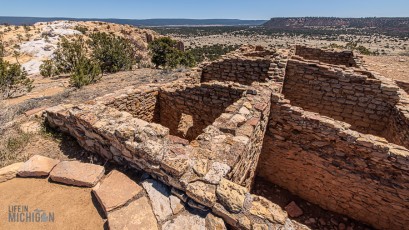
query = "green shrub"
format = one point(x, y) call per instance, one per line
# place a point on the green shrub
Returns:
point(13, 78)
point(112, 52)
point(81, 29)
point(69, 54)
point(71, 57)
point(87, 71)
point(165, 54)
point(48, 69)
point(212, 52)
point(2, 49)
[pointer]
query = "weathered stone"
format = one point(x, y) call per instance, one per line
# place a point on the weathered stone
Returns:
point(260, 226)
point(9, 172)
point(265, 209)
point(37, 166)
point(200, 167)
point(214, 223)
point(116, 190)
point(217, 172)
point(136, 215)
point(293, 210)
point(202, 193)
point(159, 195)
point(77, 173)
point(244, 223)
point(176, 204)
point(185, 220)
point(227, 216)
point(231, 195)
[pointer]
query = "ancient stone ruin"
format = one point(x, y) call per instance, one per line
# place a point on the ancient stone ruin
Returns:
point(315, 123)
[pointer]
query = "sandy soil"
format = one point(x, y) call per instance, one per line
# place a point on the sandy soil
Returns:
point(72, 206)
point(395, 67)
point(314, 216)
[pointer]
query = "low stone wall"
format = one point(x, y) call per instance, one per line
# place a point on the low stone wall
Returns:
point(345, 58)
point(403, 85)
point(142, 104)
point(215, 170)
point(325, 162)
point(246, 67)
point(359, 98)
point(187, 111)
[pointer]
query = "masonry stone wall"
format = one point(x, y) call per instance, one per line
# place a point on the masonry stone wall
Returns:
point(325, 162)
point(403, 85)
point(187, 111)
point(214, 171)
point(358, 98)
point(207, 135)
point(141, 104)
point(260, 66)
point(345, 58)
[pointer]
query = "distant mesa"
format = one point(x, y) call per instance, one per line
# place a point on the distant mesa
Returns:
point(139, 22)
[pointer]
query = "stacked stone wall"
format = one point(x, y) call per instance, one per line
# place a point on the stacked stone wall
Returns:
point(141, 104)
point(345, 58)
point(325, 162)
point(403, 85)
point(214, 171)
point(358, 98)
point(186, 112)
point(246, 69)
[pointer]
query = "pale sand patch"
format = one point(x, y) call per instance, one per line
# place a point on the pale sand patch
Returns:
point(72, 206)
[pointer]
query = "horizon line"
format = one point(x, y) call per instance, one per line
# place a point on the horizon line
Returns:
point(65, 17)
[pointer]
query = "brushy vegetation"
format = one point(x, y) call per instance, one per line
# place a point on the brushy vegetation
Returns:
point(13, 79)
point(166, 55)
point(47, 68)
point(114, 53)
point(81, 29)
point(354, 46)
point(10, 148)
point(86, 61)
point(2, 49)
point(211, 53)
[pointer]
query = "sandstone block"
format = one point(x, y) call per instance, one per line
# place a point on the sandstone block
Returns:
point(176, 204)
point(231, 195)
point(9, 172)
point(185, 220)
point(202, 193)
point(116, 190)
point(137, 215)
point(293, 210)
point(214, 223)
point(37, 166)
point(159, 195)
point(265, 209)
point(77, 173)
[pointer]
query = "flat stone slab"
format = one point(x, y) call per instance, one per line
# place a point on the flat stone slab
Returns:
point(9, 172)
point(185, 221)
point(77, 173)
point(159, 195)
point(137, 215)
point(37, 166)
point(116, 190)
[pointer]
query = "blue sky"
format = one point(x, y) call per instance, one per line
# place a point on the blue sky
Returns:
point(240, 9)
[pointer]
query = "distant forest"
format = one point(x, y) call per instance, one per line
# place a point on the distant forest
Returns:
point(391, 26)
